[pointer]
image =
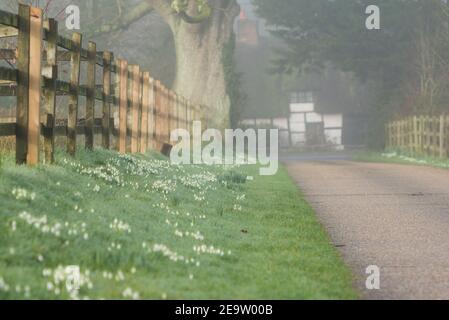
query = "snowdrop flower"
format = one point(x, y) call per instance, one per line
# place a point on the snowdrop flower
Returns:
point(130, 294)
point(120, 226)
point(23, 194)
point(3, 285)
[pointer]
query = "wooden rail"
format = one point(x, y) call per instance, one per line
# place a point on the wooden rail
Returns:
point(420, 135)
point(153, 109)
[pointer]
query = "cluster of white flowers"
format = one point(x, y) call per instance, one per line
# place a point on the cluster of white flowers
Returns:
point(119, 276)
point(195, 235)
point(108, 172)
point(41, 223)
point(23, 194)
point(165, 186)
point(56, 229)
point(130, 294)
point(26, 290)
point(159, 180)
point(166, 252)
point(120, 226)
point(205, 180)
point(114, 246)
point(3, 285)
point(199, 197)
point(141, 167)
point(208, 250)
point(241, 197)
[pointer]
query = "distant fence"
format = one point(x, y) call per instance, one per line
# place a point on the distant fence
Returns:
point(420, 135)
point(147, 110)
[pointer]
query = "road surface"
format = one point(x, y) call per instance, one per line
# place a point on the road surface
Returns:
point(392, 216)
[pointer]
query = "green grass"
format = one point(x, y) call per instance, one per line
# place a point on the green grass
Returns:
point(399, 157)
point(261, 239)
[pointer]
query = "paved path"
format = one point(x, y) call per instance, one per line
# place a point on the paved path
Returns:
point(392, 216)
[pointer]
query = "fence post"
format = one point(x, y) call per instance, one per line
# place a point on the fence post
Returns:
point(123, 104)
point(50, 91)
point(135, 87)
point(157, 113)
point(23, 65)
point(75, 62)
point(152, 117)
point(415, 135)
point(186, 114)
point(173, 108)
point(34, 129)
point(442, 136)
point(106, 122)
point(178, 109)
point(145, 111)
point(90, 99)
point(140, 113)
point(189, 116)
point(166, 112)
point(29, 85)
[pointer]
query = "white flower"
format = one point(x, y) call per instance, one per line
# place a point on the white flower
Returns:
point(130, 294)
point(23, 194)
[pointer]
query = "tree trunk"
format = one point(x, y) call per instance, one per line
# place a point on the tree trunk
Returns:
point(199, 72)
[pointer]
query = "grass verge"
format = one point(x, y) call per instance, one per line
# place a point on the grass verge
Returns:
point(400, 158)
point(139, 228)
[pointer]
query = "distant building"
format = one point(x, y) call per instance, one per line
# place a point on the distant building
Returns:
point(304, 126)
point(310, 128)
point(309, 109)
point(324, 110)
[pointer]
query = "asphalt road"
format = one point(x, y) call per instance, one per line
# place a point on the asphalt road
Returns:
point(392, 216)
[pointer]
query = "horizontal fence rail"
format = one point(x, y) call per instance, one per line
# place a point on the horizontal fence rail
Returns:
point(146, 110)
point(420, 135)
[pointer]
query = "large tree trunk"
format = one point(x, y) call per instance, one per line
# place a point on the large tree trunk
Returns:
point(199, 42)
point(199, 72)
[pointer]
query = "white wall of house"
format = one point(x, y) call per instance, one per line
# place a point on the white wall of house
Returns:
point(303, 114)
point(293, 129)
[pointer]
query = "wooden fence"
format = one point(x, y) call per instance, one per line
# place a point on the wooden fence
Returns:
point(420, 135)
point(147, 110)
